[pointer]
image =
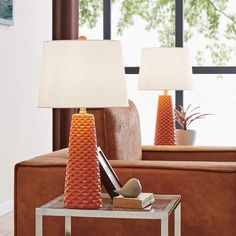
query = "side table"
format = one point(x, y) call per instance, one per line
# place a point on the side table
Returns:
point(163, 206)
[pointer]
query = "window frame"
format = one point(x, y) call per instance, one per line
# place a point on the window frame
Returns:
point(179, 42)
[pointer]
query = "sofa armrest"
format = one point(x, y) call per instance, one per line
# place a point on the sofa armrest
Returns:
point(207, 191)
point(42, 178)
point(189, 153)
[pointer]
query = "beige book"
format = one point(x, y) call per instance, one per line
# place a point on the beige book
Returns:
point(143, 200)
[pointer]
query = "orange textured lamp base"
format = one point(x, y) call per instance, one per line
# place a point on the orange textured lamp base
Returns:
point(165, 125)
point(82, 183)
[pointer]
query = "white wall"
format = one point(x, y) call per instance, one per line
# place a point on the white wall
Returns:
point(25, 130)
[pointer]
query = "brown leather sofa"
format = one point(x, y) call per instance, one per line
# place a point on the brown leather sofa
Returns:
point(205, 177)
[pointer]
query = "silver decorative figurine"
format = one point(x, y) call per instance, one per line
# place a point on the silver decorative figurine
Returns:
point(131, 189)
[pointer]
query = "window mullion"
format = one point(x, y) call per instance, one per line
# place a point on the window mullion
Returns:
point(106, 19)
point(179, 42)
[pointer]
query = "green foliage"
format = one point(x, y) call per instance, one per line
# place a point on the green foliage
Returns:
point(202, 17)
point(158, 15)
point(89, 12)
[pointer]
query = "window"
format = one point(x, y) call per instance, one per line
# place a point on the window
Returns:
point(216, 96)
point(90, 19)
point(138, 30)
point(207, 27)
point(210, 32)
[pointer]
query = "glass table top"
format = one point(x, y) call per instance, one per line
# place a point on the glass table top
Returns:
point(162, 207)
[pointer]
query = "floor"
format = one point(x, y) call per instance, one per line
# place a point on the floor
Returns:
point(7, 225)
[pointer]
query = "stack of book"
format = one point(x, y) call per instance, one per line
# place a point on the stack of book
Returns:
point(143, 201)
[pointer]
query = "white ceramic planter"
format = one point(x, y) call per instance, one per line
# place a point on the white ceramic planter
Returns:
point(185, 137)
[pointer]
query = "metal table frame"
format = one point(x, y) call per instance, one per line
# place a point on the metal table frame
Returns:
point(55, 208)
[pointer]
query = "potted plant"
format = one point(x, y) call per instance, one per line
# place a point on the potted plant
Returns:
point(184, 118)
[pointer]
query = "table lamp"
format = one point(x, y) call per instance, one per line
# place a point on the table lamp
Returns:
point(82, 74)
point(165, 69)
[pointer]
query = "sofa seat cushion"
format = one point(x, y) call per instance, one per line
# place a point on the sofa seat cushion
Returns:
point(189, 153)
point(180, 165)
point(59, 158)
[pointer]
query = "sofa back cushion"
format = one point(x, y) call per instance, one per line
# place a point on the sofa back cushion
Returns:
point(118, 132)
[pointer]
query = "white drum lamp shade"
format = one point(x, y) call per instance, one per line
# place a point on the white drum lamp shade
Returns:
point(82, 73)
point(165, 69)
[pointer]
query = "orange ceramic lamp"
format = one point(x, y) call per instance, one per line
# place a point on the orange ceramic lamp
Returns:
point(165, 69)
point(85, 74)
point(165, 125)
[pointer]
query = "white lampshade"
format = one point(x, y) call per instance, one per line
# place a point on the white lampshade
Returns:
point(165, 69)
point(82, 73)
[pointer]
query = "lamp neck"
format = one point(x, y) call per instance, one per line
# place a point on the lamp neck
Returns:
point(82, 110)
point(165, 92)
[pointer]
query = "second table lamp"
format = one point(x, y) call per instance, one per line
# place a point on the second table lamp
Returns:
point(82, 74)
point(165, 69)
